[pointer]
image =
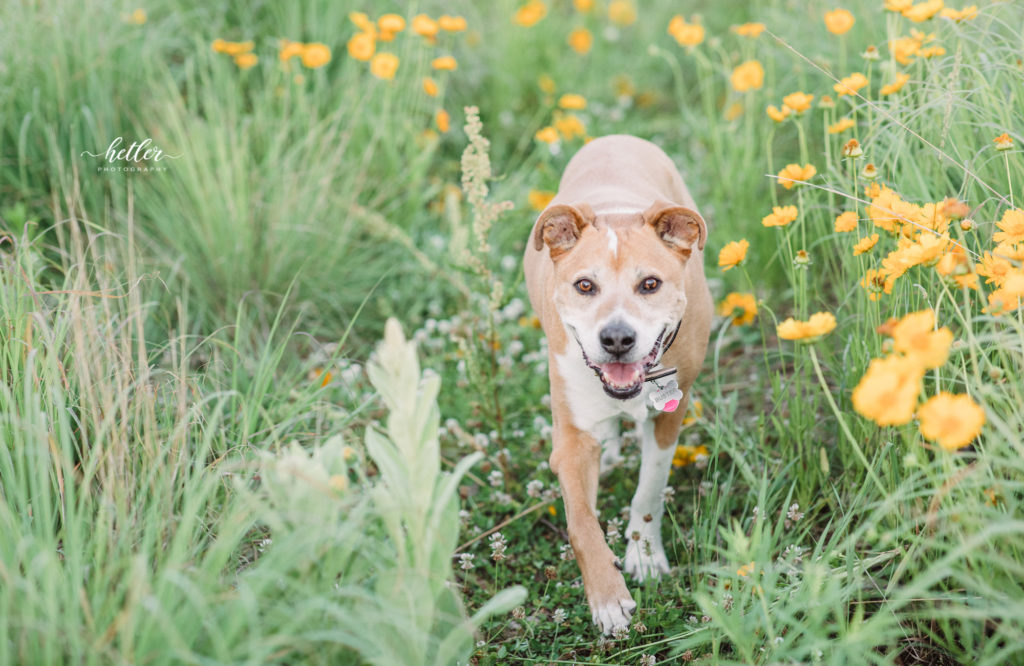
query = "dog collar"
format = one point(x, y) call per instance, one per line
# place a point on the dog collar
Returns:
point(668, 372)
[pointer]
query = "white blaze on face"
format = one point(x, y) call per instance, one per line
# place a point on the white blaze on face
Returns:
point(613, 243)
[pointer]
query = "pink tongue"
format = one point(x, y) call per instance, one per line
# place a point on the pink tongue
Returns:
point(623, 374)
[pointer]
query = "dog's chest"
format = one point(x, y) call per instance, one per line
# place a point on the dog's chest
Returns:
point(589, 405)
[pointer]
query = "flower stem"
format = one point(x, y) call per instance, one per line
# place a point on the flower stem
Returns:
point(842, 422)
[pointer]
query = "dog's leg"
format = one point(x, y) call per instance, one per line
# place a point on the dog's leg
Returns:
point(645, 555)
point(610, 438)
point(576, 460)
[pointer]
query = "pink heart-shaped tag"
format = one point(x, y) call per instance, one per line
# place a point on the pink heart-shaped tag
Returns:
point(670, 406)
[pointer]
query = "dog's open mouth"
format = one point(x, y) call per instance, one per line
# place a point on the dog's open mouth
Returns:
point(625, 380)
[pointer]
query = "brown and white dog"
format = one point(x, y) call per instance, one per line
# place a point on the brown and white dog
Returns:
point(615, 272)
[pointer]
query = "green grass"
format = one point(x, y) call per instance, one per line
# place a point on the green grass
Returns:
point(197, 465)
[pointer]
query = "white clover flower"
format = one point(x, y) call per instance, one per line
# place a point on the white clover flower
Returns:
point(534, 488)
point(466, 561)
point(558, 617)
point(498, 546)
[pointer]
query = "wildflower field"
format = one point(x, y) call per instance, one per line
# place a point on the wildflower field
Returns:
point(271, 391)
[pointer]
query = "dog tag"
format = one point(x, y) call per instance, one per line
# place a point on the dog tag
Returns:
point(666, 398)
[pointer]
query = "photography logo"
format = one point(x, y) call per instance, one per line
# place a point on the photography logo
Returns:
point(139, 156)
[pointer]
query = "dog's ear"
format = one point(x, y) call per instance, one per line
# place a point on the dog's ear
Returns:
point(560, 226)
point(679, 227)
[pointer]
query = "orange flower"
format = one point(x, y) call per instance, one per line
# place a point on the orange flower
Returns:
point(572, 101)
point(622, 12)
point(391, 24)
point(865, 244)
point(1011, 227)
point(429, 86)
point(877, 283)
point(923, 11)
point(896, 85)
point(951, 421)
point(841, 126)
point(887, 393)
point(531, 13)
point(451, 23)
point(546, 135)
point(360, 47)
point(316, 55)
point(363, 22)
point(968, 13)
point(780, 216)
point(898, 6)
point(792, 174)
point(797, 102)
point(569, 126)
point(288, 49)
point(444, 63)
point(820, 323)
point(747, 76)
point(1003, 142)
point(246, 60)
point(539, 199)
point(580, 40)
point(384, 66)
point(751, 30)
point(904, 49)
point(846, 221)
point(426, 27)
point(741, 307)
point(733, 254)
point(850, 84)
point(583, 6)
point(776, 114)
point(916, 338)
point(442, 120)
point(686, 34)
point(839, 21)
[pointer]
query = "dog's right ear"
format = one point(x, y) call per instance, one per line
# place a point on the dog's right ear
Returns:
point(560, 226)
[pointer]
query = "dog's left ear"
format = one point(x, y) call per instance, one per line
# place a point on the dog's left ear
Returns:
point(678, 227)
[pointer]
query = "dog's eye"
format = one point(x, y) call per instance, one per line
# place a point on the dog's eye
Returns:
point(585, 286)
point(650, 285)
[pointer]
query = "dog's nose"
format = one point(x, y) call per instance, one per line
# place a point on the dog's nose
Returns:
point(617, 339)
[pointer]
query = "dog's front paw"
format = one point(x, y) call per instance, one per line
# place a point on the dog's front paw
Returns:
point(645, 559)
point(614, 615)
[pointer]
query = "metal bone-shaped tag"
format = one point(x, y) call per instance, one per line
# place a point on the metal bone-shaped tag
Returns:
point(666, 398)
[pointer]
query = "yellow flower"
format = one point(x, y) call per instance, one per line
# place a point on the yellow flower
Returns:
point(780, 216)
point(363, 22)
point(583, 6)
point(841, 126)
point(232, 48)
point(426, 27)
point(531, 13)
point(444, 63)
point(384, 66)
point(733, 254)
point(138, 17)
point(865, 244)
point(877, 283)
point(995, 268)
point(695, 412)
point(904, 49)
point(898, 6)
point(915, 337)
point(839, 21)
point(745, 570)
point(572, 101)
point(797, 102)
point(748, 76)
point(968, 13)
point(360, 47)
point(931, 52)
point(580, 40)
point(539, 199)
point(687, 455)
point(1011, 227)
point(316, 55)
point(451, 23)
point(896, 85)
point(923, 11)
point(546, 84)
point(741, 307)
point(951, 421)
point(792, 174)
point(1003, 142)
point(569, 126)
point(887, 393)
point(391, 23)
point(429, 86)
point(288, 49)
point(820, 323)
point(850, 84)
point(246, 60)
point(622, 12)
point(547, 134)
point(686, 34)
point(846, 221)
point(776, 114)
point(751, 30)
point(442, 120)
point(1010, 294)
